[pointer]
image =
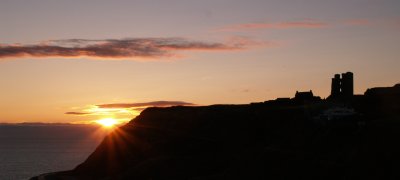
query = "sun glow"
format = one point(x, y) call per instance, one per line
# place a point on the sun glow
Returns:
point(107, 122)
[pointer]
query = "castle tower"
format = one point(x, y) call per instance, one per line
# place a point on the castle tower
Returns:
point(335, 88)
point(342, 87)
point(347, 85)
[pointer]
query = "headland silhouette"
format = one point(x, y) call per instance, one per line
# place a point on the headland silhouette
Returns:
point(345, 136)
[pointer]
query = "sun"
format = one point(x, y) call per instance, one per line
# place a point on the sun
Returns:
point(107, 122)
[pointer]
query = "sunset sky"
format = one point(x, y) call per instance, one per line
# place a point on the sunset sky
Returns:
point(81, 61)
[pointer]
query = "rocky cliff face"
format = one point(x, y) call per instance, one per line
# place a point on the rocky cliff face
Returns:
point(259, 141)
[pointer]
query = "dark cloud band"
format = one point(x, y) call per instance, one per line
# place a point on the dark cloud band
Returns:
point(112, 48)
point(146, 104)
point(134, 106)
point(77, 113)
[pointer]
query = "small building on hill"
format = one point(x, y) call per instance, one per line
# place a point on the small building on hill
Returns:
point(306, 96)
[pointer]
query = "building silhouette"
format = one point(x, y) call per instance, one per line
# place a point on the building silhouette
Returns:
point(335, 87)
point(347, 85)
point(305, 97)
point(342, 87)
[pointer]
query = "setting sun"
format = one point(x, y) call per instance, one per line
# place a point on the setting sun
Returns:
point(107, 122)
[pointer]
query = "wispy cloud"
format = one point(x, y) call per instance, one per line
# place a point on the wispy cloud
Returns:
point(278, 25)
point(124, 109)
point(77, 113)
point(357, 22)
point(395, 23)
point(114, 48)
point(146, 104)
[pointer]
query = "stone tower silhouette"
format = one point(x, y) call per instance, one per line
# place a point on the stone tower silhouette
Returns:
point(343, 87)
point(335, 88)
point(347, 85)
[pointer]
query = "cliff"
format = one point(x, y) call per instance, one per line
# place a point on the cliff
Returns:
point(270, 140)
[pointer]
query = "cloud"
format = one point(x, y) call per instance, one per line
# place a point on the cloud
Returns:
point(397, 24)
point(114, 48)
point(357, 22)
point(279, 25)
point(146, 104)
point(127, 109)
point(77, 113)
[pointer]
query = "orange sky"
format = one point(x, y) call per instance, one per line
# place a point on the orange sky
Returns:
point(60, 61)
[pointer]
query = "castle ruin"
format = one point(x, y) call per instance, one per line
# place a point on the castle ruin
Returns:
point(342, 87)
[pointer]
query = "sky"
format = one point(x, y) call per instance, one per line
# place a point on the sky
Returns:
point(80, 61)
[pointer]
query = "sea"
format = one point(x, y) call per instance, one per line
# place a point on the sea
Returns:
point(27, 150)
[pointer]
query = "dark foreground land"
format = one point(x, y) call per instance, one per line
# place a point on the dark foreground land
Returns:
point(357, 138)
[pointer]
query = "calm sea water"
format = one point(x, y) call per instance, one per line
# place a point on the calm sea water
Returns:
point(29, 150)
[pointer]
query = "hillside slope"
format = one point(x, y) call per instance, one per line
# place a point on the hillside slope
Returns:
point(270, 140)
